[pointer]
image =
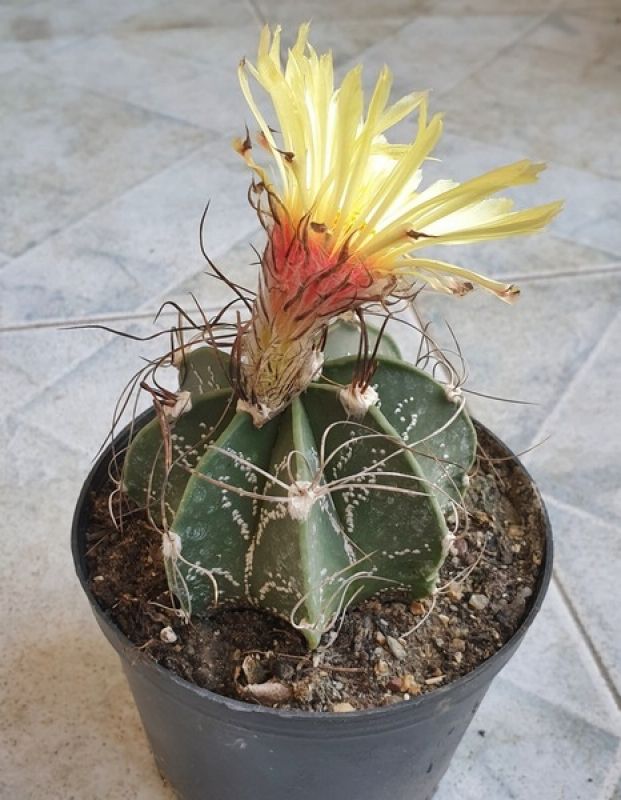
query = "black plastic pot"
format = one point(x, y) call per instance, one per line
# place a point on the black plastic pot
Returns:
point(211, 747)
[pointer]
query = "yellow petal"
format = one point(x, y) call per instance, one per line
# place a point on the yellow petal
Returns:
point(454, 279)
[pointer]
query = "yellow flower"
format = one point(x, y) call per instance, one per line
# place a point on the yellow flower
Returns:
point(346, 218)
point(339, 173)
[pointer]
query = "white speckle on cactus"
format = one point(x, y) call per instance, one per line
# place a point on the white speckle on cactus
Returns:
point(286, 587)
point(344, 458)
point(224, 573)
point(402, 413)
point(302, 497)
point(211, 378)
point(241, 523)
point(357, 402)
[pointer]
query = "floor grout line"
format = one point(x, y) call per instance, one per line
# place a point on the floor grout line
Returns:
point(593, 355)
point(246, 236)
point(39, 69)
point(588, 641)
point(540, 19)
point(119, 316)
point(565, 237)
point(580, 512)
point(604, 269)
point(172, 314)
point(575, 377)
point(612, 267)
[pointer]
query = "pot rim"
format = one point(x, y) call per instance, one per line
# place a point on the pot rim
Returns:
point(424, 705)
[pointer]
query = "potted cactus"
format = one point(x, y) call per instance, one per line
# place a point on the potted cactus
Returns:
point(299, 467)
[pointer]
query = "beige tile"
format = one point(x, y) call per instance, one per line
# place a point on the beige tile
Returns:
point(466, 7)
point(196, 83)
point(573, 117)
point(32, 359)
point(80, 150)
point(78, 407)
point(555, 664)
point(293, 13)
point(239, 264)
point(183, 24)
point(41, 20)
point(66, 706)
point(588, 554)
point(24, 55)
point(127, 253)
point(521, 747)
point(589, 37)
point(437, 52)
point(594, 9)
point(581, 465)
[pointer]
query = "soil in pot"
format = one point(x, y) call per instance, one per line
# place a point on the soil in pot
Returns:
point(388, 649)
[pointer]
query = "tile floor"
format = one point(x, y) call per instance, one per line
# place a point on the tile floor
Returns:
point(115, 131)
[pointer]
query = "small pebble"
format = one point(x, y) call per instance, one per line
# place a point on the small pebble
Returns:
point(459, 547)
point(342, 708)
point(417, 608)
point(396, 648)
point(380, 638)
point(457, 657)
point(434, 681)
point(270, 693)
point(409, 685)
point(478, 602)
point(381, 668)
point(168, 635)
point(454, 592)
point(254, 671)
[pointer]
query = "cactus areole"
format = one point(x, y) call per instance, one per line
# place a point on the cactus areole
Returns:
point(303, 465)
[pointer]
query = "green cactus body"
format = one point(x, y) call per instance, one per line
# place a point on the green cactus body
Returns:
point(258, 516)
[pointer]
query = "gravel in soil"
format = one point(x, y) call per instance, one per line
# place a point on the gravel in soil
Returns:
point(388, 650)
